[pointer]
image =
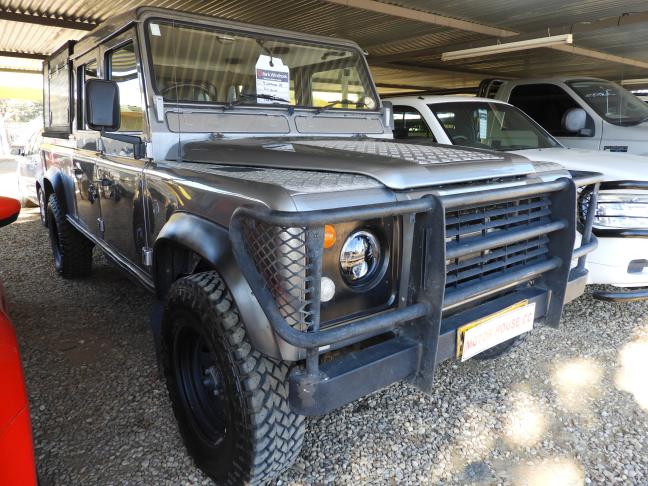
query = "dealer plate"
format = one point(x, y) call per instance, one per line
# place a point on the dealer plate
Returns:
point(489, 331)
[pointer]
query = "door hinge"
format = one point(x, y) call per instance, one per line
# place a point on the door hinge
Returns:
point(147, 256)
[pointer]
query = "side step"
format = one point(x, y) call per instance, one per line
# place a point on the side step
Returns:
point(352, 376)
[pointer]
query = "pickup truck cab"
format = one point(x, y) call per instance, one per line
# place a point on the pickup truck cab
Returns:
point(301, 258)
point(621, 218)
point(586, 113)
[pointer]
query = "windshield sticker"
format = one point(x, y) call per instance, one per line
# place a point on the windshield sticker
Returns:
point(155, 30)
point(272, 80)
point(483, 124)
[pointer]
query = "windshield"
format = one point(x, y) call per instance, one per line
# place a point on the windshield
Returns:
point(492, 126)
point(611, 101)
point(197, 64)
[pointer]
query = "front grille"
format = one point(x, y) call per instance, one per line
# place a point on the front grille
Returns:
point(479, 222)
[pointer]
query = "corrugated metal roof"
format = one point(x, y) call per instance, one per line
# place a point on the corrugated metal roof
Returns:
point(446, 37)
point(311, 16)
point(542, 63)
point(528, 15)
point(30, 38)
point(384, 35)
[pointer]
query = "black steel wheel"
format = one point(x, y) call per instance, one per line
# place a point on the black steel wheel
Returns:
point(200, 381)
point(231, 402)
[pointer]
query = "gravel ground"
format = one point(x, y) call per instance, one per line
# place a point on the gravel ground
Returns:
point(566, 407)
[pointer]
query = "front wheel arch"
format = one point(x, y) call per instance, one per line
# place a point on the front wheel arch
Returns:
point(189, 244)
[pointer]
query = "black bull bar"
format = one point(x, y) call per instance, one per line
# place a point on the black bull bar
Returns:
point(423, 297)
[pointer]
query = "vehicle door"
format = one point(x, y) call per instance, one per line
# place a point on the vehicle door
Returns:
point(119, 170)
point(86, 152)
point(547, 104)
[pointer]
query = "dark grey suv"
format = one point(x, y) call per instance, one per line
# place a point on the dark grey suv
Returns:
point(301, 258)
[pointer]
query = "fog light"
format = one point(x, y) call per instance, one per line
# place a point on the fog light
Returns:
point(327, 290)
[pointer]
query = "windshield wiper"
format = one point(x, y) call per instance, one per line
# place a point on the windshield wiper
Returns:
point(250, 96)
point(358, 104)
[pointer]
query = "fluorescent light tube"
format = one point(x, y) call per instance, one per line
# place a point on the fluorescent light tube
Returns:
point(549, 41)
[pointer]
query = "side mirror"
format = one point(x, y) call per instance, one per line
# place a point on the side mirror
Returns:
point(388, 114)
point(102, 105)
point(574, 120)
point(9, 210)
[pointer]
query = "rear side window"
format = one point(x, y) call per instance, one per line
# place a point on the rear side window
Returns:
point(84, 73)
point(546, 104)
point(122, 68)
point(409, 123)
point(57, 91)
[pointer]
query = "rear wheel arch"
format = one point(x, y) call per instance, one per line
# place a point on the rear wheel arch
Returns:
point(42, 196)
point(189, 244)
point(54, 183)
point(48, 187)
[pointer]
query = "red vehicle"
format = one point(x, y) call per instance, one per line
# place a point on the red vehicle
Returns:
point(17, 464)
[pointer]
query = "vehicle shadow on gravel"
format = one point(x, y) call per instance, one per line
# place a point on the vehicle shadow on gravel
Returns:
point(99, 409)
point(564, 407)
point(551, 412)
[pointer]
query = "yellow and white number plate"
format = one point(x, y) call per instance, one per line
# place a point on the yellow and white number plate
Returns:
point(480, 335)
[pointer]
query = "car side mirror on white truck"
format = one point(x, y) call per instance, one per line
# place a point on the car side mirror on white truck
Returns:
point(575, 121)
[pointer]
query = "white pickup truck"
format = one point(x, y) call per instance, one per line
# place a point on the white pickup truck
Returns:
point(621, 218)
point(584, 113)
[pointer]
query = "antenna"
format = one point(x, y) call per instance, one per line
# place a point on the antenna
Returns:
point(177, 93)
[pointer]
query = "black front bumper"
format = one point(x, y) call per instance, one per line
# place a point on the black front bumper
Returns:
point(423, 334)
point(361, 372)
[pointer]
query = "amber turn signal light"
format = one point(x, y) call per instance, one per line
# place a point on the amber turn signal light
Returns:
point(329, 236)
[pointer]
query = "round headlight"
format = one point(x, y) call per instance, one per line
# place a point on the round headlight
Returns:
point(360, 257)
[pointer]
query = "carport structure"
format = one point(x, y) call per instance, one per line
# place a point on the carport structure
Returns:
point(405, 39)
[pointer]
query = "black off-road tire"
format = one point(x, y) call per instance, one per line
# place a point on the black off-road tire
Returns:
point(248, 395)
point(72, 251)
point(500, 349)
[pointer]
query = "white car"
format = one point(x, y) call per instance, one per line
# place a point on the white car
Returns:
point(621, 218)
point(585, 113)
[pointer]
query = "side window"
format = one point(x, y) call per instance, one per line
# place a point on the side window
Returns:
point(546, 104)
point(84, 73)
point(409, 123)
point(58, 82)
point(122, 68)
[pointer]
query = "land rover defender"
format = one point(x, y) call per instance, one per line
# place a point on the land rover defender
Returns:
point(300, 257)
